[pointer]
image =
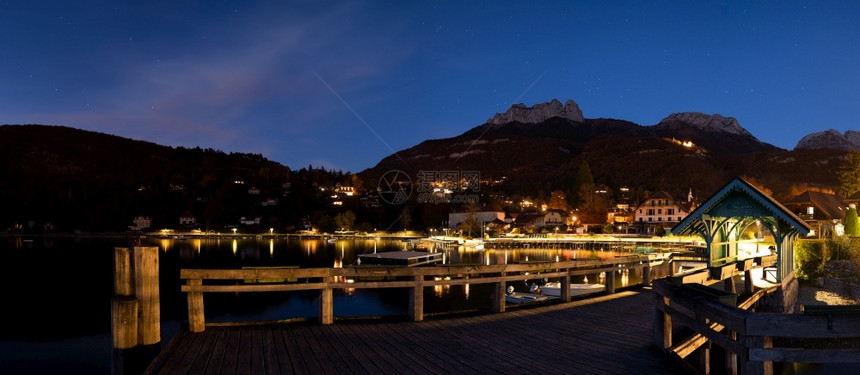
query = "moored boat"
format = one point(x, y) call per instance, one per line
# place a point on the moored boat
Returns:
point(554, 289)
point(520, 298)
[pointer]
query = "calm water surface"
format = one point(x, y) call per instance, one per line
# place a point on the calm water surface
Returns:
point(57, 291)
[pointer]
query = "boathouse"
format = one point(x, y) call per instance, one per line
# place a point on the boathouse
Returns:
point(723, 218)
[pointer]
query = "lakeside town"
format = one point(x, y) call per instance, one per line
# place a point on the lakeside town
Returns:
point(653, 216)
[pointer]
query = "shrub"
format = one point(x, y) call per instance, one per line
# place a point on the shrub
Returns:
point(852, 222)
point(809, 258)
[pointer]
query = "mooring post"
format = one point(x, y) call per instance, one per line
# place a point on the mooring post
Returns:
point(147, 292)
point(327, 302)
point(610, 282)
point(499, 295)
point(646, 275)
point(123, 305)
point(565, 286)
point(123, 313)
point(416, 299)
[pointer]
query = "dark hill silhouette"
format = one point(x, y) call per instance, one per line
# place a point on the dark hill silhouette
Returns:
point(546, 155)
point(83, 180)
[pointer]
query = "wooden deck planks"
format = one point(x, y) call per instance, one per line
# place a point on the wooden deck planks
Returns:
point(347, 343)
point(609, 334)
point(271, 353)
point(312, 351)
point(217, 355)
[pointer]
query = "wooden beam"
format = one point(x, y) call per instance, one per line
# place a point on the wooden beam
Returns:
point(802, 326)
point(253, 287)
point(717, 337)
point(838, 355)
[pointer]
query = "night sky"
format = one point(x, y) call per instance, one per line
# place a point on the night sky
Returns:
point(343, 84)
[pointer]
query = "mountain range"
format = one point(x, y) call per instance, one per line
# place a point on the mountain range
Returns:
point(93, 181)
point(541, 148)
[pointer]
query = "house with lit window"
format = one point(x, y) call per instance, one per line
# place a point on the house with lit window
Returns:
point(187, 219)
point(551, 218)
point(660, 210)
point(824, 212)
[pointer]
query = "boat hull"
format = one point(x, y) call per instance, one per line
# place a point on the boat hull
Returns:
point(554, 289)
point(521, 298)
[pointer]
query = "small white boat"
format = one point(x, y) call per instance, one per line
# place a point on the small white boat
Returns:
point(520, 298)
point(554, 289)
point(477, 244)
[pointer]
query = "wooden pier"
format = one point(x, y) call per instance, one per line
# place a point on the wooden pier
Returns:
point(607, 334)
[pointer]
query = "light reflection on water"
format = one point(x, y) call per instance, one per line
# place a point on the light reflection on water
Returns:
point(80, 271)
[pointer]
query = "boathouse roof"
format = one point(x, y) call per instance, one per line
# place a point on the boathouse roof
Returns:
point(739, 198)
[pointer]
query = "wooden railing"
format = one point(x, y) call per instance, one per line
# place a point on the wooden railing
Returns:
point(749, 337)
point(200, 281)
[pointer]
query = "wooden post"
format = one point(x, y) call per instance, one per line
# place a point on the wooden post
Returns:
point(732, 358)
point(729, 285)
point(646, 275)
point(327, 302)
point(610, 282)
point(704, 350)
point(196, 318)
point(416, 299)
point(662, 324)
point(756, 367)
point(565, 287)
point(123, 276)
point(499, 296)
point(123, 306)
point(748, 282)
point(147, 292)
point(124, 322)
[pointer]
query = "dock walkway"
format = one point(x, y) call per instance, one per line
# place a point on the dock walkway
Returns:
point(604, 335)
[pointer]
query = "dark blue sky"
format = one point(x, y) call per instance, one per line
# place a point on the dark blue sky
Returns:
point(343, 84)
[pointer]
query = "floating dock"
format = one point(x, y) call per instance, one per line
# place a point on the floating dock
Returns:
point(400, 258)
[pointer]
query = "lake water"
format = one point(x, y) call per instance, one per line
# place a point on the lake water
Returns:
point(56, 291)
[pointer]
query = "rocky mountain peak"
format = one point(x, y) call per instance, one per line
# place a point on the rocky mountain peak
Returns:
point(831, 139)
point(710, 123)
point(538, 113)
